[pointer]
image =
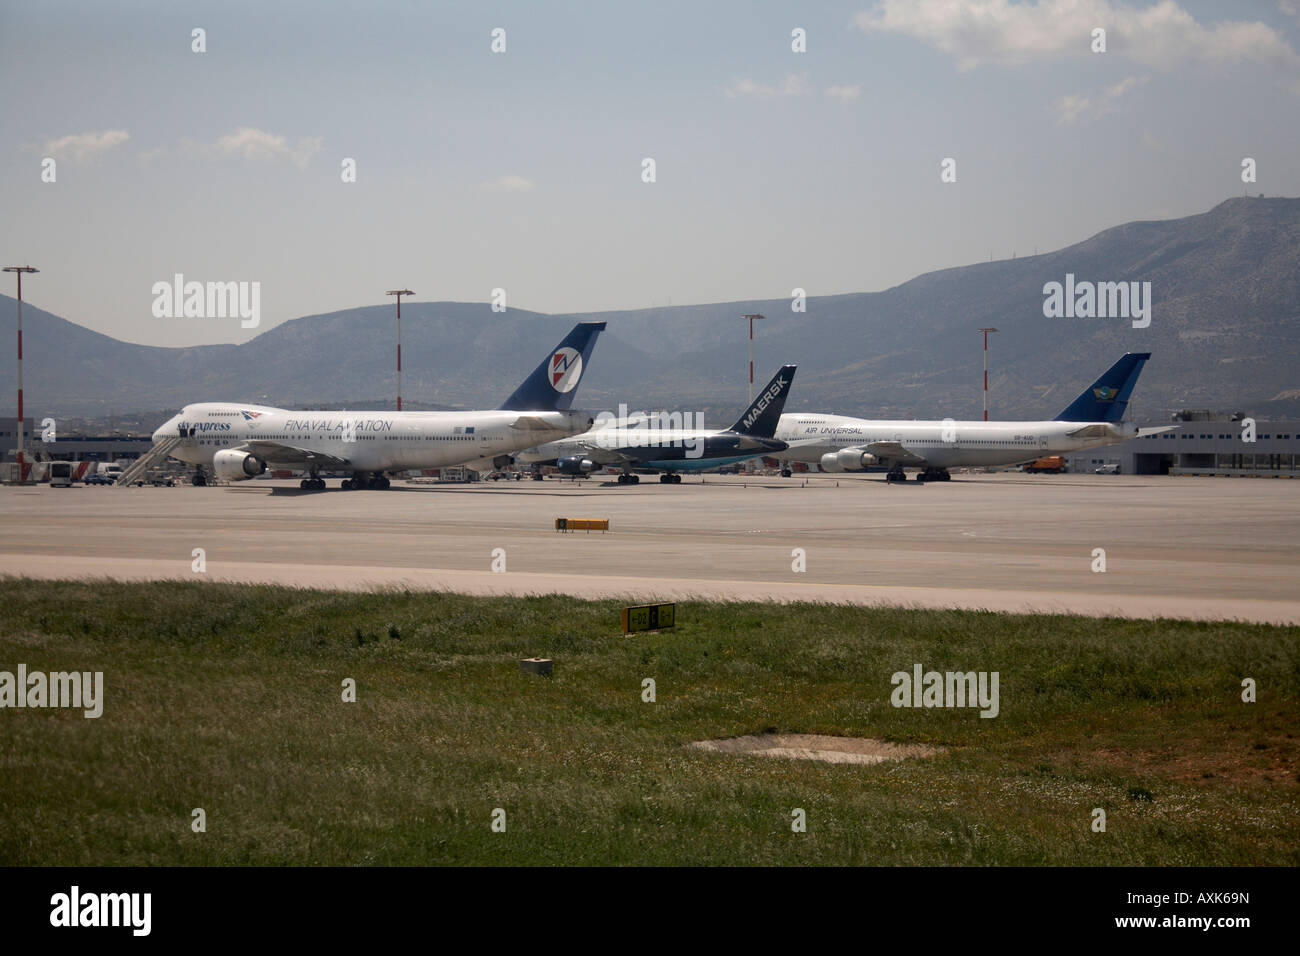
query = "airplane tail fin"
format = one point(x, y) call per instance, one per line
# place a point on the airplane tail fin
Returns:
point(553, 384)
point(1106, 399)
point(761, 416)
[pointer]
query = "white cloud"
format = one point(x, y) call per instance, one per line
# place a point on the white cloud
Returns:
point(844, 93)
point(1162, 35)
point(83, 147)
point(254, 143)
point(517, 184)
point(1079, 106)
point(792, 85)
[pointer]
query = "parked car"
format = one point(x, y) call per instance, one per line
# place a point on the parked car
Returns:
point(99, 479)
point(1111, 469)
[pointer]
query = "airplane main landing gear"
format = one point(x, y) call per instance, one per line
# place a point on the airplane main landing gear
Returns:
point(786, 472)
point(312, 484)
point(896, 474)
point(934, 474)
point(670, 479)
point(629, 479)
point(200, 479)
point(372, 482)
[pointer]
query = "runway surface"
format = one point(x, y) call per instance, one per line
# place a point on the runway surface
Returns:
point(1176, 547)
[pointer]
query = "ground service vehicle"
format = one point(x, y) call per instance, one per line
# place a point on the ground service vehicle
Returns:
point(60, 474)
point(1049, 464)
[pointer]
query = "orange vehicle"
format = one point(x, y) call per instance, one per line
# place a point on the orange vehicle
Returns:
point(1052, 465)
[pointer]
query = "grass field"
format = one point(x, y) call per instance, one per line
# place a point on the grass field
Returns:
point(228, 698)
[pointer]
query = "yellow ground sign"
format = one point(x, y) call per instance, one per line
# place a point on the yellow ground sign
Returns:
point(649, 617)
point(581, 524)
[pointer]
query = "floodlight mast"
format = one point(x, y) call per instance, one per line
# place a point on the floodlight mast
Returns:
point(399, 293)
point(986, 370)
point(751, 316)
point(20, 270)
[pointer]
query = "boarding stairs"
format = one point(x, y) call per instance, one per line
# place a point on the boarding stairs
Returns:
point(155, 455)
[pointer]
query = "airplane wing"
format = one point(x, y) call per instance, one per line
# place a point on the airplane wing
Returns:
point(893, 451)
point(276, 453)
point(534, 424)
point(605, 456)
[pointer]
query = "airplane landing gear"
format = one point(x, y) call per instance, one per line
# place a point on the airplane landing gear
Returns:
point(312, 484)
point(896, 474)
point(670, 479)
point(786, 472)
point(934, 474)
point(629, 479)
point(200, 479)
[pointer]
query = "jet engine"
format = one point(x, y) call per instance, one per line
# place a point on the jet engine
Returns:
point(234, 465)
point(848, 459)
point(575, 466)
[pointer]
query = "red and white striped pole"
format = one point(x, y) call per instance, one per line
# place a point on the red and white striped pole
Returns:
point(20, 270)
point(399, 293)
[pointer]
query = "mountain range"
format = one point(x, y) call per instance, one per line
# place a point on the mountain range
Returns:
point(1224, 334)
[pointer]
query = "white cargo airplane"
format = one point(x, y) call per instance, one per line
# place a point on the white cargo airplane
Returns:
point(838, 443)
point(237, 442)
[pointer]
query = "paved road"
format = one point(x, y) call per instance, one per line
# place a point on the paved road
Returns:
point(1184, 547)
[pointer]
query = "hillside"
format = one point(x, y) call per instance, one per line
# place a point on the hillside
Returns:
point(1225, 333)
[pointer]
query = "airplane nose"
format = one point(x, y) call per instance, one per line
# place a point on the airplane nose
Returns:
point(166, 429)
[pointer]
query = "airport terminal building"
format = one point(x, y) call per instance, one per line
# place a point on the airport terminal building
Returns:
point(69, 447)
point(1206, 446)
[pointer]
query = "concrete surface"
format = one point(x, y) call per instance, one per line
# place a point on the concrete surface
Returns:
point(1178, 547)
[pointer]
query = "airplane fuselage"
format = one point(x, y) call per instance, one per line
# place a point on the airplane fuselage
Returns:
point(369, 441)
point(944, 444)
point(659, 449)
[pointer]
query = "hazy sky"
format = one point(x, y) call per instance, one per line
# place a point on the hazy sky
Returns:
point(523, 169)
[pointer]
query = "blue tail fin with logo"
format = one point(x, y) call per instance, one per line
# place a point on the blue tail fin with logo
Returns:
point(1106, 399)
point(553, 384)
point(764, 412)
